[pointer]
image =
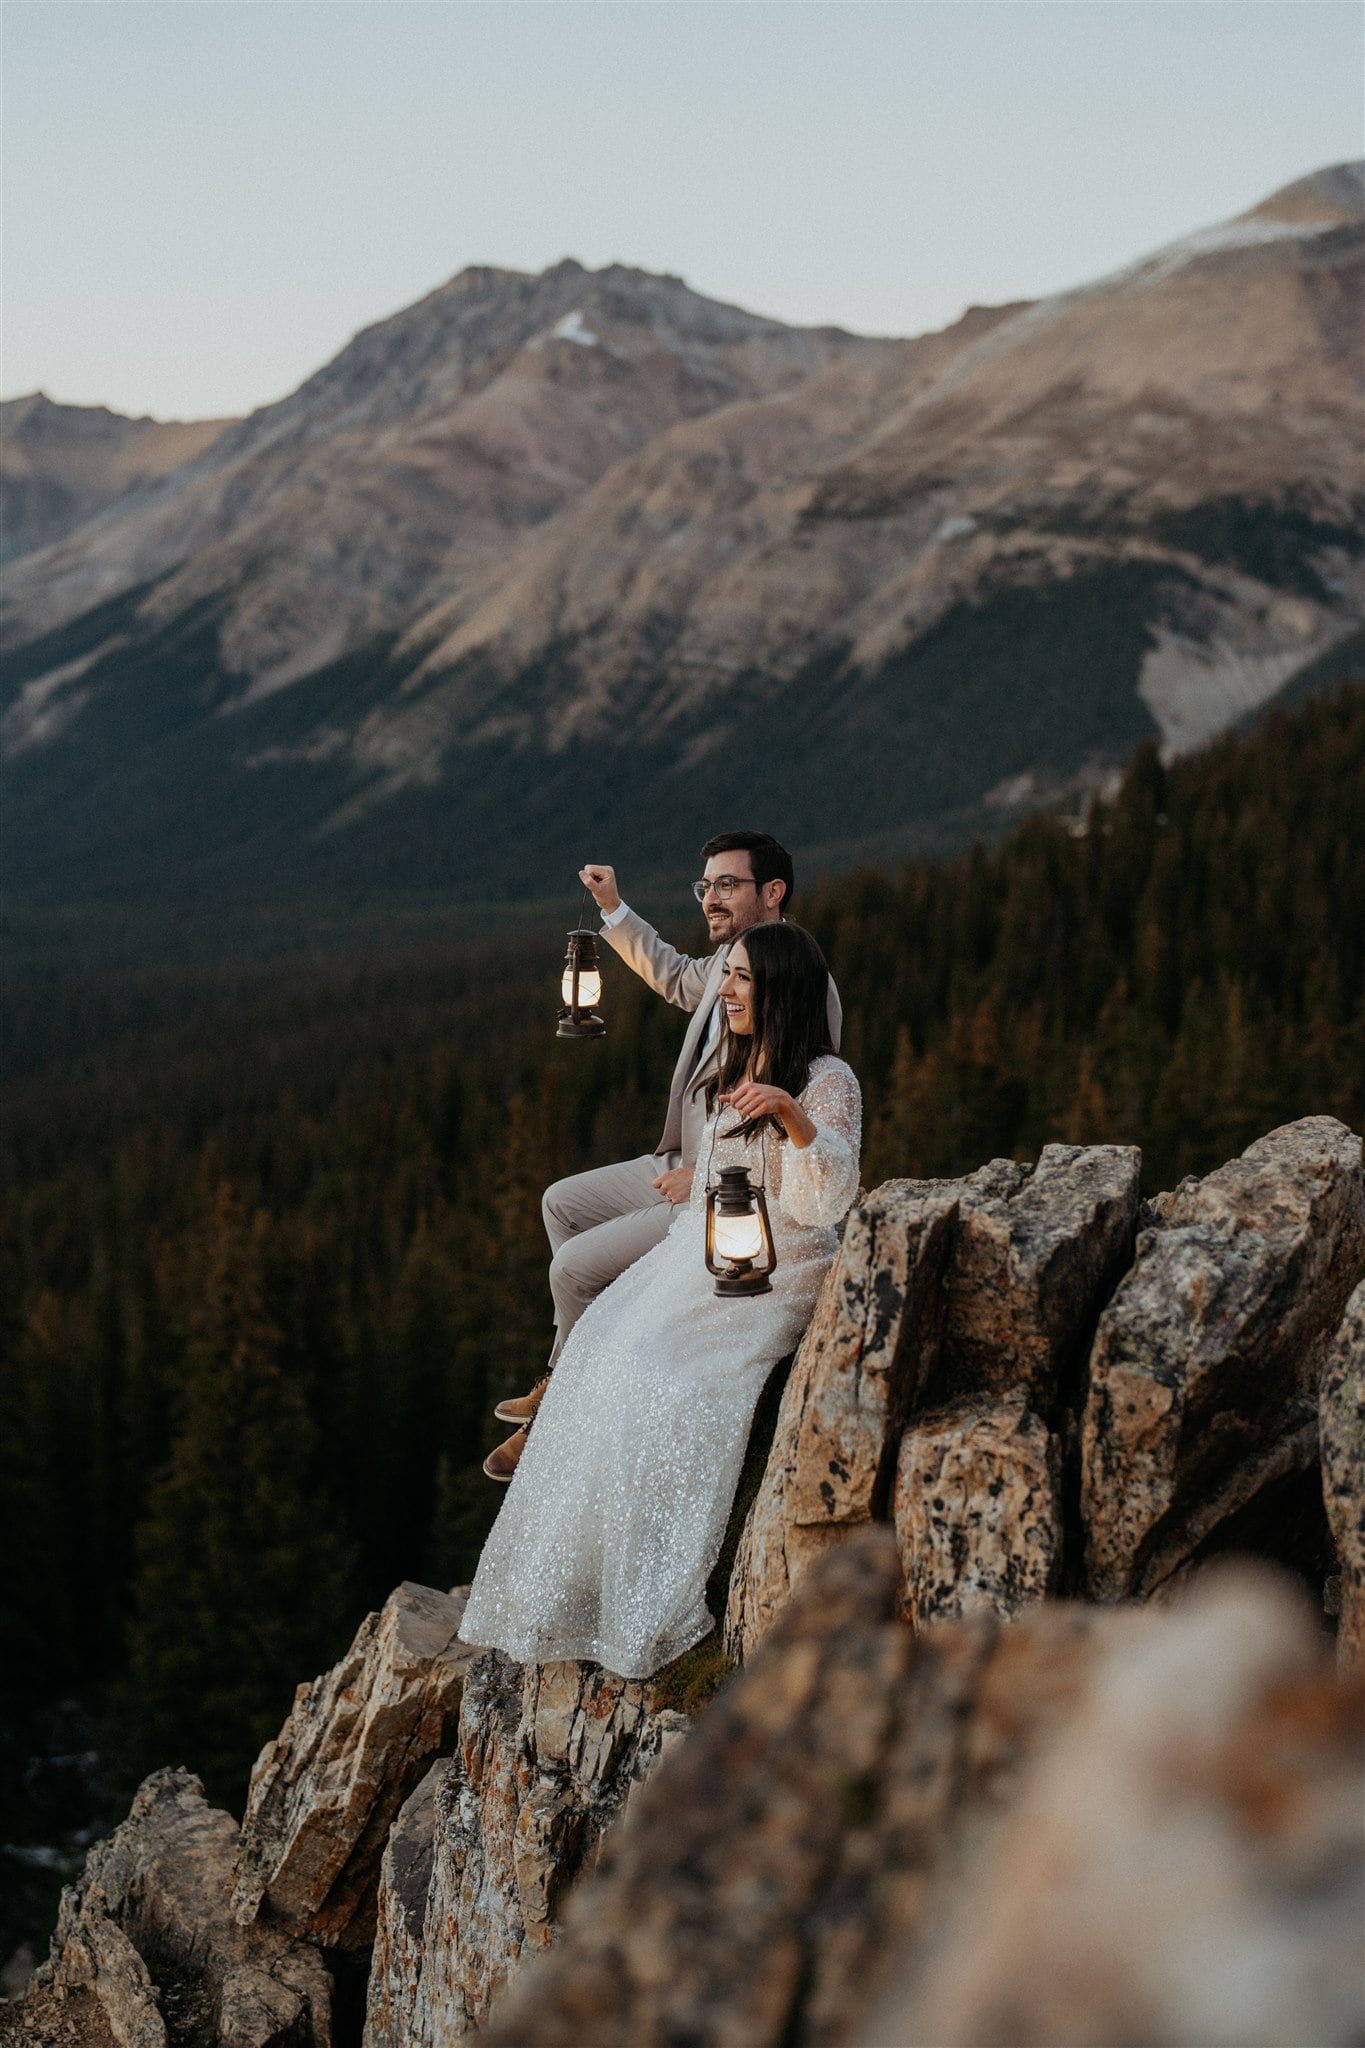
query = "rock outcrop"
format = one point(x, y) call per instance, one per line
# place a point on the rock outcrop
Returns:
point(869, 1349)
point(1041, 1815)
point(325, 1792)
point(546, 1760)
point(1037, 1254)
point(404, 1881)
point(95, 1978)
point(984, 1289)
point(1205, 1369)
point(1342, 1430)
point(977, 1510)
point(149, 1929)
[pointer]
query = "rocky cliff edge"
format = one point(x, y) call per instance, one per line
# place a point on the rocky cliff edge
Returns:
point(1030, 1728)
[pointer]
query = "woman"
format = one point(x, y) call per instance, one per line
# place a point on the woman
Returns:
point(618, 1506)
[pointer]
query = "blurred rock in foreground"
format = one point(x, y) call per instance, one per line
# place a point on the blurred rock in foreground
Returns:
point(1185, 1864)
point(1342, 1426)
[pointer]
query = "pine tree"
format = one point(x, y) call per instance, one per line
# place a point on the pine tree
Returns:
point(241, 1580)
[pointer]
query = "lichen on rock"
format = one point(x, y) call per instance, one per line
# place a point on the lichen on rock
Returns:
point(977, 1510)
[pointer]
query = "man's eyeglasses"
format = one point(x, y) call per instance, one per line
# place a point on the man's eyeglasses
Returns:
point(723, 885)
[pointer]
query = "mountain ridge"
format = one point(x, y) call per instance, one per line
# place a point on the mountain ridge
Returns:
point(61, 465)
point(544, 555)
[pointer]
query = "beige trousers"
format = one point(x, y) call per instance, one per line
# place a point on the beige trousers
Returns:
point(598, 1223)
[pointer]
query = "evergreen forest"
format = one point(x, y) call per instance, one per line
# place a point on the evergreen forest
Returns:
point(266, 1263)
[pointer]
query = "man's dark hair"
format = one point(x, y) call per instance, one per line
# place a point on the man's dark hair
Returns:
point(770, 858)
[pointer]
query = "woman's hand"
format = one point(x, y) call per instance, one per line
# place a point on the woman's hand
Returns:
point(756, 1098)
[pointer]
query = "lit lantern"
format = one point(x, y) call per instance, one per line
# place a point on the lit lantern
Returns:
point(581, 988)
point(739, 1237)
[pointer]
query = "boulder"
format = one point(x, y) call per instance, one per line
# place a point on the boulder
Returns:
point(980, 1288)
point(404, 1880)
point(158, 1892)
point(547, 1758)
point(1184, 1866)
point(977, 1510)
point(1205, 1367)
point(869, 1349)
point(1037, 1253)
point(326, 1791)
point(800, 1836)
point(1341, 1415)
point(867, 1354)
point(95, 1986)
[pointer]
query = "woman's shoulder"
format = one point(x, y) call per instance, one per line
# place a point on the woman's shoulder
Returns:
point(827, 1065)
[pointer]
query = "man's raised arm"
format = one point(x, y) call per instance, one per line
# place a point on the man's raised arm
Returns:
point(676, 976)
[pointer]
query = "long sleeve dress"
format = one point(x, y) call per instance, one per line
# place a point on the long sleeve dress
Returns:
point(617, 1510)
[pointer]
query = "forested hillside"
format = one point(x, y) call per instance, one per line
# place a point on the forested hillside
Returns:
point(264, 1273)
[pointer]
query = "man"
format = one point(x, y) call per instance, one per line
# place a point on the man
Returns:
point(600, 1222)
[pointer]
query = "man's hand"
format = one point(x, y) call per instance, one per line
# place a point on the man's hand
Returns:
point(676, 1185)
point(601, 883)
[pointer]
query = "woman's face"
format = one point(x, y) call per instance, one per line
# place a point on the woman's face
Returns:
point(737, 991)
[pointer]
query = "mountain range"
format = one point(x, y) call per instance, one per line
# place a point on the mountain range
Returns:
point(584, 565)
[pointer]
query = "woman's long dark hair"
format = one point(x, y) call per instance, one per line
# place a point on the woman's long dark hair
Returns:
point(791, 1017)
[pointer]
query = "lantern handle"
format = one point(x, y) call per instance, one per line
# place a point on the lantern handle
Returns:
point(583, 909)
point(762, 1187)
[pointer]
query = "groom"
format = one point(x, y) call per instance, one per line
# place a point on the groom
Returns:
point(600, 1222)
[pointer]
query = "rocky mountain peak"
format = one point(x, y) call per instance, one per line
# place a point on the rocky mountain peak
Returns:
point(468, 331)
point(1333, 197)
point(60, 464)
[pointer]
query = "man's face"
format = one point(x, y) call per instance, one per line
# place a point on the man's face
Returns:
point(727, 915)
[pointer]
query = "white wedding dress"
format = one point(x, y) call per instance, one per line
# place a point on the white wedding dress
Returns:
point(617, 1510)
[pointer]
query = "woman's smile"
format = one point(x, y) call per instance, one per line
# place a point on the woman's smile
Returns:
point(737, 991)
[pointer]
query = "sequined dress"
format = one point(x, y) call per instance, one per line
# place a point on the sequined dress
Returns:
point(617, 1510)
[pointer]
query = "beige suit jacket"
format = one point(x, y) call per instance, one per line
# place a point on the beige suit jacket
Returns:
point(693, 985)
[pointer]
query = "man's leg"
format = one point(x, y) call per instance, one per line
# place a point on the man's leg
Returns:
point(584, 1200)
point(599, 1223)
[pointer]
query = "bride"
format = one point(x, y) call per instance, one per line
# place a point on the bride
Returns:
point(618, 1506)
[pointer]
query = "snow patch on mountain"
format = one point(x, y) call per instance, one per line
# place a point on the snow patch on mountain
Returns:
point(1195, 691)
point(573, 327)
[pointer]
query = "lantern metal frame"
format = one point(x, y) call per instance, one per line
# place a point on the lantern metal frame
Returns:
point(733, 1194)
point(580, 1020)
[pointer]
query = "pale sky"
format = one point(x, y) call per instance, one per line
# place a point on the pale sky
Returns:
point(204, 199)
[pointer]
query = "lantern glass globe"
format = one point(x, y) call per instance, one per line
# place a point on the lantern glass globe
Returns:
point(739, 1237)
point(589, 987)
